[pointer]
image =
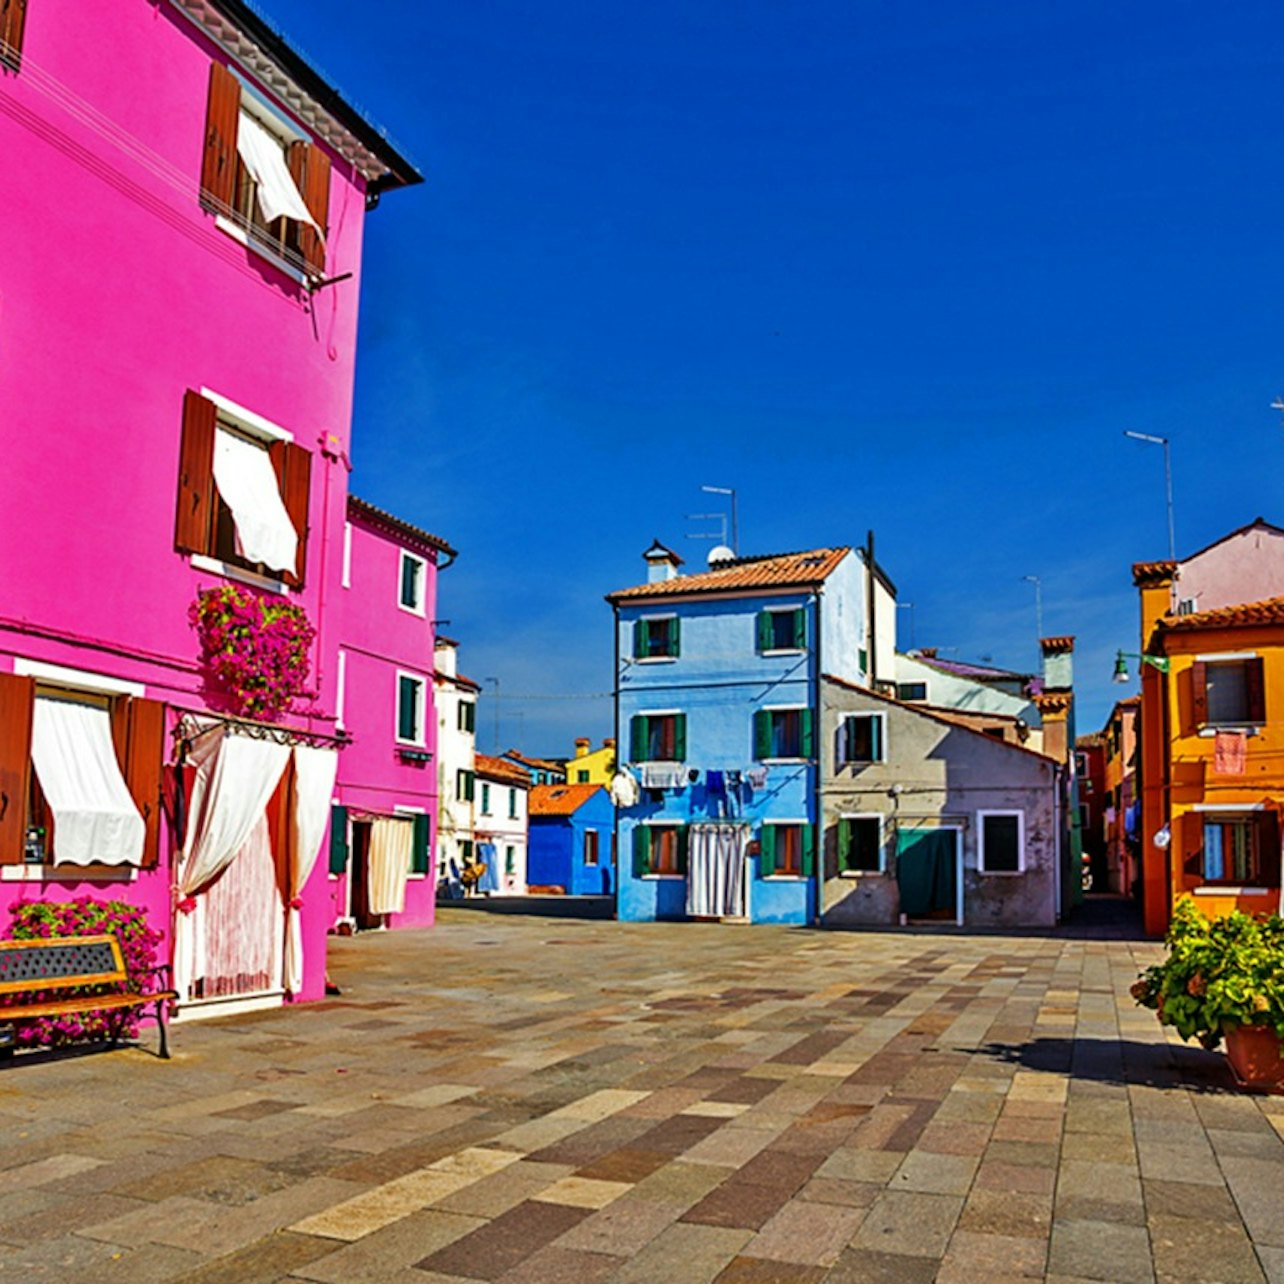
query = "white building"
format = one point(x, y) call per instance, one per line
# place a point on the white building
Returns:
point(456, 702)
point(500, 819)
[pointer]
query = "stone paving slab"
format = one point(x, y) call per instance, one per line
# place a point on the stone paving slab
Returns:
point(530, 1101)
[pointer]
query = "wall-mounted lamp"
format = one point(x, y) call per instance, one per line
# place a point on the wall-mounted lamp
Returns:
point(1159, 662)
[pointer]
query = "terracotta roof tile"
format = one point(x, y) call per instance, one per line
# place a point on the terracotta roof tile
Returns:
point(390, 524)
point(500, 769)
point(1242, 615)
point(780, 570)
point(560, 800)
point(1144, 573)
point(541, 764)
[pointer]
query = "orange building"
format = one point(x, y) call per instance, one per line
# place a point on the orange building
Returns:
point(1212, 752)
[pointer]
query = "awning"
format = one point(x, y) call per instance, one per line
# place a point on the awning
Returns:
point(95, 819)
point(265, 160)
point(391, 844)
point(247, 482)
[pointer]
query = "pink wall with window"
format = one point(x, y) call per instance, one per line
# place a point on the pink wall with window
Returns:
point(125, 294)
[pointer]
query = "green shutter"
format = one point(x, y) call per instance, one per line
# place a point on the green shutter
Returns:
point(680, 737)
point(682, 850)
point(764, 631)
point(807, 733)
point(844, 841)
point(638, 738)
point(675, 637)
point(875, 738)
point(419, 863)
point(639, 640)
point(808, 850)
point(338, 839)
point(472, 786)
point(641, 851)
point(762, 734)
point(767, 851)
point(800, 628)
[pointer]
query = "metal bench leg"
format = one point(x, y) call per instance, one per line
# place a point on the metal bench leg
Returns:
point(160, 1021)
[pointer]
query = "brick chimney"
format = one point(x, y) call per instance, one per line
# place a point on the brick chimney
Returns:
point(581, 746)
point(1056, 702)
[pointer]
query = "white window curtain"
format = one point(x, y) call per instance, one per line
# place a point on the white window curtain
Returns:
point(391, 843)
point(247, 482)
point(716, 870)
point(314, 775)
point(265, 159)
point(95, 819)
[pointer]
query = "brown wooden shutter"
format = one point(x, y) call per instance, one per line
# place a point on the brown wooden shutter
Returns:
point(195, 475)
point(1255, 681)
point(142, 766)
point(13, 19)
point(17, 705)
point(218, 165)
point(1199, 693)
point(310, 169)
point(1268, 848)
point(293, 467)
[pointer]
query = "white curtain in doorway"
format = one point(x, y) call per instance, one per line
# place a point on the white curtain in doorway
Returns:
point(314, 775)
point(716, 871)
point(391, 844)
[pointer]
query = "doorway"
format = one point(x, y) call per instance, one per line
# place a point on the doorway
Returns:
point(927, 874)
point(360, 878)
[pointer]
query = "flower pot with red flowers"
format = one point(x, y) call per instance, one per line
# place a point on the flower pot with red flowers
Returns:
point(1224, 978)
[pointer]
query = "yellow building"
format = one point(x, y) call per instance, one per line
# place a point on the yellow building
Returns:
point(591, 766)
point(1212, 786)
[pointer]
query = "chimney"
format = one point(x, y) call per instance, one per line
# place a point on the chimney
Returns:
point(1056, 701)
point(661, 563)
point(608, 743)
point(1058, 667)
point(1154, 580)
point(581, 746)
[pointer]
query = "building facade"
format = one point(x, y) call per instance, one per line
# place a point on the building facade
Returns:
point(572, 840)
point(500, 816)
point(1122, 814)
point(592, 766)
point(456, 701)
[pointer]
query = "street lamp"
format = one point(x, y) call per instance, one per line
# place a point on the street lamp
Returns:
point(1159, 662)
point(1168, 481)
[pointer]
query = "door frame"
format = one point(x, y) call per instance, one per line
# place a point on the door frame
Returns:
point(958, 830)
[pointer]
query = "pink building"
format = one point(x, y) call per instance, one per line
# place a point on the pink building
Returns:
point(180, 337)
point(386, 795)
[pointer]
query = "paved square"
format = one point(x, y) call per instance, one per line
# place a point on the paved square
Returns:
point(527, 1099)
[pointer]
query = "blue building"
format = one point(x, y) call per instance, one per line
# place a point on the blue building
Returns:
point(717, 713)
point(571, 840)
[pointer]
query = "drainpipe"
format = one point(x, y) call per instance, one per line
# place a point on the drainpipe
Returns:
point(818, 873)
point(1058, 784)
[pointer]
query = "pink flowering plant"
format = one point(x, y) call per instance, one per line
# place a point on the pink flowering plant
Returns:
point(255, 647)
point(41, 920)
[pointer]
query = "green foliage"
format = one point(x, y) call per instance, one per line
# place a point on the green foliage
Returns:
point(1219, 973)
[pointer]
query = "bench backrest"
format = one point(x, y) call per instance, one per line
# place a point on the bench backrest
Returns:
point(60, 962)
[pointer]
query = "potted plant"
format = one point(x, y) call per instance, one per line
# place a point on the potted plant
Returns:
point(1224, 977)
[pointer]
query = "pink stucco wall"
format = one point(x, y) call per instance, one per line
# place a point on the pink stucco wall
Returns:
point(121, 293)
point(1248, 566)
point(380, 639)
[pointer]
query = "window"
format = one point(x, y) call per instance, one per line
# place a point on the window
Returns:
point(341, 686)
point(659, 851)
point(782, 630)
point(590, 846)
point(242, 491)
point(911, 690)
point(782, 733)
point(258, 174)
point(861, 739)
point(1228, 693)
point(860, 845)
point(13, 16)
point(465, 785)
point(786, 850)
point(658, 737)
point(465, 850)
point(347, 555)
point(1241, 849)
point(512, 804)
point(656, 638)
point(1080, 764)
point(485, 799)
point(1002, 841)
point(411, 597)
point(410, 709)
point(581, 777)
point(467, 716)
point(510, 861)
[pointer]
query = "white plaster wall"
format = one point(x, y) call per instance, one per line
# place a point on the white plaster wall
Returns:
point(842, 630)
point(953, 692)
point(504, 830)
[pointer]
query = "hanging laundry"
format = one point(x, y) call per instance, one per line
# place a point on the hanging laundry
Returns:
point(757, 777)
point(716, 782)
point(663, 775)
point(624, 789)
point(1230, 753)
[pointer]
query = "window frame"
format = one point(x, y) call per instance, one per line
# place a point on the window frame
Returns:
point(881, 819)
point(797, 825)
point(420, 741)
point(1247, 814)
point(903, 689)
point(466, 717)
point(668, 826)
point(483, 803)
point(1200, 670)
point(672, 638)
point(420, 607)
point(465, 785)
point(801, 710)
point(512, 803)
point(591, 841)
point(793, 611)
point(679, 737)
point(850, 715)
point(981, 817)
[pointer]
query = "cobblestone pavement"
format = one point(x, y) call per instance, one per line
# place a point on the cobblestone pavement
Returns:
point(541, 1101)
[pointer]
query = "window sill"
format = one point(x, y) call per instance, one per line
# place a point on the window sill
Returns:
point(242, 237)
point(654, 659)
point(202, 563)
point(1245, 728)
point(68, 873)
point(1000, 873)
point(863, 762)
point(664, 878)
point(858, 874)
point(416, 611)
point(786, 650)
point(776, 762)
point(1233, 889)
point(784, 878)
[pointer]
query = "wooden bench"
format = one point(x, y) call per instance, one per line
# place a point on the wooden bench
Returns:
point(63, 962)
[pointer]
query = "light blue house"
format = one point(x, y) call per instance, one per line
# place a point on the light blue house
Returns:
point(717, 698)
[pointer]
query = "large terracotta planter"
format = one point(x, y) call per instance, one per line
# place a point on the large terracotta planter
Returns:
point(1255, 1056)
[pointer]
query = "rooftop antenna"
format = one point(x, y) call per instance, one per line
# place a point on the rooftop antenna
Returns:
point(735, 524)
point(720, 534)
point(1278, 404)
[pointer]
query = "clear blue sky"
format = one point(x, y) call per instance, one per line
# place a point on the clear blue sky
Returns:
point(905, 266)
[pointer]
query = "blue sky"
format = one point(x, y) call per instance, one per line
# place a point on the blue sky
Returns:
point(903, 266)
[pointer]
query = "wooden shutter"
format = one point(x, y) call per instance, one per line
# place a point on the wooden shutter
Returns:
point(875, 738)
point(675, 637)
point(195, 475)
point(806, 734)
point(800, 629)
point(1255, 683)
point(640, 650)
point(767, 851)
point(293, 466)
point(338, 840)
point(1268, 848)
point(844, 840)
point(222, 117)
point(641, 850)
point(762, 734)
point(1199, 693)
point(808, 850)
point(638, 736)
point(17, 705)
point(138, 731)
point(764, 631)
point(310, 169)
point(679, 737)
point(419, 863)
point(13, 18)
point(683, 849)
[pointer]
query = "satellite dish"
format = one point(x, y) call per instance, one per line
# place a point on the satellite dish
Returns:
point(720, 554)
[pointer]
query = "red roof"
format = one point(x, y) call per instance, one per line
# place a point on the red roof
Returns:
point(1242, 615)
point(501, 769)
point(560, 800)
point(781, 570)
